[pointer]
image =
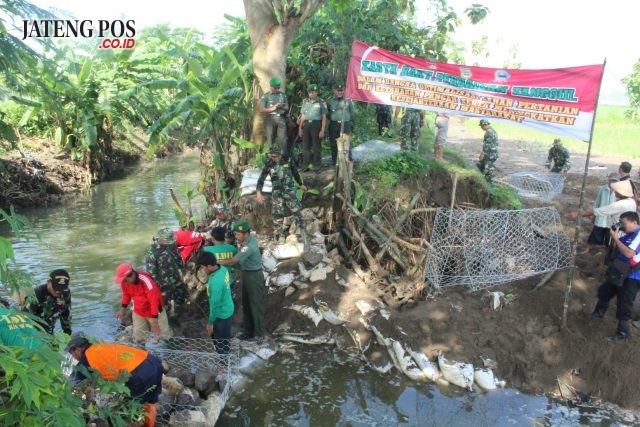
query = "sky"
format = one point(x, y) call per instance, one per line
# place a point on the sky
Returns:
point(544, 33)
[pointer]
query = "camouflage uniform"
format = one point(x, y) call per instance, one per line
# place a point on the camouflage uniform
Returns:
point(490, 150)
point(410, 127)
point(49, 308)
point(558, 159)
point(221, 207)
point(163, 263)
point(383, 117)
point(283, 193)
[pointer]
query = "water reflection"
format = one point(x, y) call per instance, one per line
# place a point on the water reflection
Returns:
point(91, 234)
point(311, 389)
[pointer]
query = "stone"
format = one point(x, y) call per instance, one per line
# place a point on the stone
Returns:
point(313, 256)
point(205, 380)
point(187, 377)
point(185, 400)
point(189, 418)
point(290, 290)
point(172, 385)
point(318, 273)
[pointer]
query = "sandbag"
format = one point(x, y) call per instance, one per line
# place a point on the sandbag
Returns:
point(250, 180)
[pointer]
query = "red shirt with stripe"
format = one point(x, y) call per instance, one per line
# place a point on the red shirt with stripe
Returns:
point(187, 242)
point(145, 294)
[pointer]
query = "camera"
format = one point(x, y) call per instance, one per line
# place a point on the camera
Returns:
point(616, 226)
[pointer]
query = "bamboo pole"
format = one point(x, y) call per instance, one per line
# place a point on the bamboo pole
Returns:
point(567, 294)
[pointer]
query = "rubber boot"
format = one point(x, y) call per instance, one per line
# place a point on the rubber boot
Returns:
point(150, 414)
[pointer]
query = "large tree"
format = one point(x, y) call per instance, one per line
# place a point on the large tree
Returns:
point(632, 81)
point(272, 25)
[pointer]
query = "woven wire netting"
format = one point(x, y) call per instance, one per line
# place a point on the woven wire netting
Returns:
point(484, 248)
point(542, 186)
point(185, 354)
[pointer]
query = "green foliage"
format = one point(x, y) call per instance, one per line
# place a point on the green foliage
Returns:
point(503, 197)
point(33, 390)
point(632, 81)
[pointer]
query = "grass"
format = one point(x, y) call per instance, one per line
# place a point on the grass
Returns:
point(614, 134)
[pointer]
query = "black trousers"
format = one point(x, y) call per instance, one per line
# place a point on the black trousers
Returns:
point(311, 149)
point(334, 133)
point(626, 294)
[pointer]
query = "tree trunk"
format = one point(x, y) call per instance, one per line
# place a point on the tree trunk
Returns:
point(272, 25)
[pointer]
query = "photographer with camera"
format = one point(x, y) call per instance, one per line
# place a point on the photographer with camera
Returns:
point(623, 279)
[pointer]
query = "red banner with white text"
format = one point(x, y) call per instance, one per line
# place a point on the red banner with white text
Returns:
point(560, 101)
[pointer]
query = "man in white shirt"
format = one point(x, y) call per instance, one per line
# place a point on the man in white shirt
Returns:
point(624, 203)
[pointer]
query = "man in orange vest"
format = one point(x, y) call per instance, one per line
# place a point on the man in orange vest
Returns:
point(113, 360)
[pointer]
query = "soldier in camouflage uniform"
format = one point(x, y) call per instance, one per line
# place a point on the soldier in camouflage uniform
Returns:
point(52, 301)
point(275, 105)
point(412, 120)
point(283, 195)
point(489, 153)
point(558, 159)
point(163, 263)
point(223, 219)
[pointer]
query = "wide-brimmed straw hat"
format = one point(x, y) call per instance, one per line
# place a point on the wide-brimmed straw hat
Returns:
point(623, 188)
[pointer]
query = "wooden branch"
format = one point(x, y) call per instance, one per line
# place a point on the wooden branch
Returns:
point(544, 280)
point(177, 203)
point(421, 210)
point(373, 264)
point(404, 243)
point(397, 226)
point(453, 192)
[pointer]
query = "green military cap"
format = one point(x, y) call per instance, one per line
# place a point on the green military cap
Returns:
point(484, 122)
point(165, 234)
point(275, 82)
point(241, 225)
point(338, 87)
point(312, 88)
point(557, 141)
point(220, 207)
point(274, 150)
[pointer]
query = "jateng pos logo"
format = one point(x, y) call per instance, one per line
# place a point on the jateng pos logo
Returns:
point(113, 34)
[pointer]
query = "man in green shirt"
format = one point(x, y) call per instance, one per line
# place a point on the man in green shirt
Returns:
point(252, 279)
point(220, 301)
point(220, 249)
point(313, 120)
point(16, 329)
point(274, 105)
point(340, 112)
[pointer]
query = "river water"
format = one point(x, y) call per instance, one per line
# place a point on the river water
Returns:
point(91, 234)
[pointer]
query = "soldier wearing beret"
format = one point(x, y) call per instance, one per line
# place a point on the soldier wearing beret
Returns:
point(250, 261)
point(274, 105)
point(489, 153)
point(340, 111)
point(313, 120)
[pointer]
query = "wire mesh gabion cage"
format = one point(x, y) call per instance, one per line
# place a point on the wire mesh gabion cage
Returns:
point(543, 186)
point(188, 355)
point(484, 248)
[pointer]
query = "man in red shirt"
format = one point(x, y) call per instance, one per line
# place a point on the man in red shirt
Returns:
point(148, 306)
point(187, 240)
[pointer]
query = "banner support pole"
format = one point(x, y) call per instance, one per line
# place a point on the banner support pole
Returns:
point(567, 294)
